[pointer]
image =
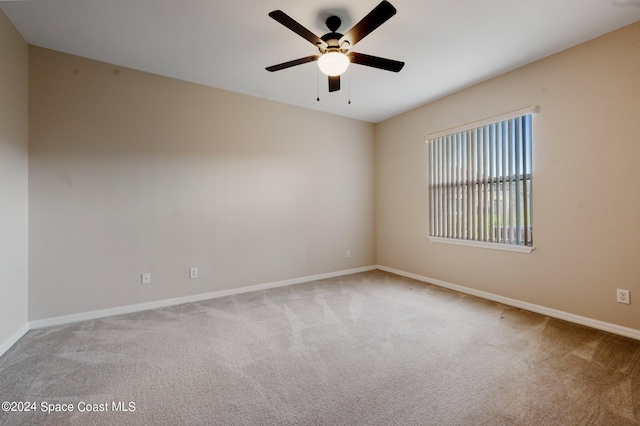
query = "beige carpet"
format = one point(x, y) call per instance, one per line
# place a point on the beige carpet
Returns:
point(365, 349)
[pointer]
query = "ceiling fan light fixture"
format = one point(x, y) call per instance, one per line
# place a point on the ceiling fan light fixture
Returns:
point(333, 63)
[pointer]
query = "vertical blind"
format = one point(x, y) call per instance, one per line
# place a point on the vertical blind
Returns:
point(480, 183)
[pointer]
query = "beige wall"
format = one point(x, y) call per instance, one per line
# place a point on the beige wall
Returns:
point(586, 197)
point(132, 172)
point(13, 181)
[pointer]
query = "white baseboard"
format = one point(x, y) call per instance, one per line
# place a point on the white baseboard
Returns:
point(102, 313)
point(554, 313)
point(13, 339)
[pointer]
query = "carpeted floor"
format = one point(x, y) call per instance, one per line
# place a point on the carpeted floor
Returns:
point(366, 349)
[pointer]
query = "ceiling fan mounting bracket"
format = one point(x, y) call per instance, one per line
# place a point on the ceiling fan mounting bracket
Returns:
point(333, 23)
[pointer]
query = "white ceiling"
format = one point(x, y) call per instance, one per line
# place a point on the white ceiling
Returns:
point(447, 45)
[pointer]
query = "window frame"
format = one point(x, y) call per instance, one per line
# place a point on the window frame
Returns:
point(524, 176)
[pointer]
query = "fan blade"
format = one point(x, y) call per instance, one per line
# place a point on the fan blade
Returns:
point(334, 83)
point(292, 63)
point(376, 62)
point(294, 26)
point(378, 16)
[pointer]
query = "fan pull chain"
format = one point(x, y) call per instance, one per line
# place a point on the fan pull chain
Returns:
point(349, 83)
point(318, 83)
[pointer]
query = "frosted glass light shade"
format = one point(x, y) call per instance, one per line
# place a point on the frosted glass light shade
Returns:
point(333, 63)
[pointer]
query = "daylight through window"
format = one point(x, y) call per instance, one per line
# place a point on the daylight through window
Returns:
point(480, 182)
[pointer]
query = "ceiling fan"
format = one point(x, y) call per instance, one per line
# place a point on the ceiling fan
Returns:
point(335, 57)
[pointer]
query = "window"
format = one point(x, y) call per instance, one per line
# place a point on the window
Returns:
point(480, 183)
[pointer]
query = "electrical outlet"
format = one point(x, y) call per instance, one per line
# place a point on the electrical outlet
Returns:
point(193, 272)
point(145, 278)
point(623, 296)
point(348, 253)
